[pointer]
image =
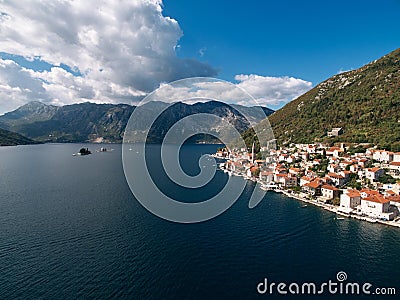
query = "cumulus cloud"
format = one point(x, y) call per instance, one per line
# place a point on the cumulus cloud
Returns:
point(122, 49)
point(273, 91)
point(118, 50)
point(18, 87)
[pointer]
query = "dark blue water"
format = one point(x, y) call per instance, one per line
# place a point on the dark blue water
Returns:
point(70, 228)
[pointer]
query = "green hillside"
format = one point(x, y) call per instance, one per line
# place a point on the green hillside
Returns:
point(8, 138)
point(364, 102)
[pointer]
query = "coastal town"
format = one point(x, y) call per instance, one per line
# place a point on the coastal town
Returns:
point(357, 181)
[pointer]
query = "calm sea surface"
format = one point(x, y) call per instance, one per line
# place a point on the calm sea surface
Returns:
point(71, 228)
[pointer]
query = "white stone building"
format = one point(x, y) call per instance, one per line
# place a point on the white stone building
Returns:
point(350, 199)
point(373, 174)
point(382, 156)
point(329, 191)
point(376, 207)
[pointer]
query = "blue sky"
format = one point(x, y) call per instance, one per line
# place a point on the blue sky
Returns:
point(312, 40)
point(62, 52)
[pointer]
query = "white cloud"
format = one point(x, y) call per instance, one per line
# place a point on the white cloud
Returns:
point(202, 51)
point(122, 48)
point(18, 87)
point(273, 91)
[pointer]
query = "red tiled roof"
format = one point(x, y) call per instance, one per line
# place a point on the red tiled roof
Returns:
point(376, 199)
point(313, 184)
point(395, 198)
point(329, 187)
point(370, 192)
point(335, 148)
point(281, 175)
point(390, 192)
point(334, 175)
point(352, 193)
point(395, 163)
point(374, 169)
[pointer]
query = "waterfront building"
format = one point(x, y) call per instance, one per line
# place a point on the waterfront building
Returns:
point(349, 200)
point(376, 206)
point(329, 192)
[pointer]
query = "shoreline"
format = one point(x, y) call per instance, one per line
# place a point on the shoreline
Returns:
point(329, 207)
point(334, 209)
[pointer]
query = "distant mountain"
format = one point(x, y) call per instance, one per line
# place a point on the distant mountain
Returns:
point(107, 122)
point(70, 123)
point(29, 113)
point(8, 138)
point(364, 102)
point(240, 117)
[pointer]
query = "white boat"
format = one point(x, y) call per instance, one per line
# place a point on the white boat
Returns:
point(339, 218)
point(104, 149)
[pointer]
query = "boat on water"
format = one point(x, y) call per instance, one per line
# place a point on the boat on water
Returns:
point(304, 206)
point(104, 149)
point(339, 218)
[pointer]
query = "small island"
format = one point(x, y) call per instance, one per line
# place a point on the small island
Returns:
point(84, 151)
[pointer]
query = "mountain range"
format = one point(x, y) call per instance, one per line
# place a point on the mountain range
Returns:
point(364, 103)
point(106, 122)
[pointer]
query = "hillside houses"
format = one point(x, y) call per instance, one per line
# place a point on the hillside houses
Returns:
point(394, 166)
point(370, 203)
point(335, 132)
point(373, 174)
point(327, 175)
point(382, 155)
